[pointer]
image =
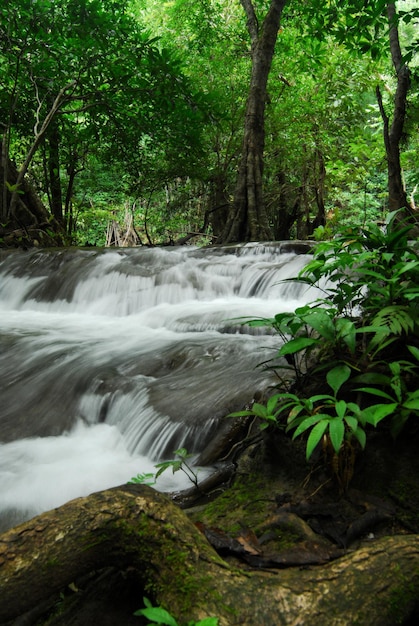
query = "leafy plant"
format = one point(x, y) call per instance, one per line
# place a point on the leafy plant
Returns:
point(159, 615)
point(310, 327)
point(346, 341)
point(328, 416)
point(370, 268)
point(177, 464)
point(400, 402)
point(147, 478)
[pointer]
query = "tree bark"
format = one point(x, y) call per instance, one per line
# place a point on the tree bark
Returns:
point(40, 132)
point(31, 221)
point(30, 209)
point(247, 220)
point(134, 526)
point(393, 130)
point(54, 178)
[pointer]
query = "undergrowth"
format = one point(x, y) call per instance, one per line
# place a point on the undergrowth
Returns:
point(355, 349)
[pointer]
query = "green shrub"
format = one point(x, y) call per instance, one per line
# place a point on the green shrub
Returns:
point(361, 341)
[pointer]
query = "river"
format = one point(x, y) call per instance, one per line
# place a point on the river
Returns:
point(112, 359)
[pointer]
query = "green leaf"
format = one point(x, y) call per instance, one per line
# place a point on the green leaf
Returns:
point(259, 410)
point(352, 422)
point(373, 274)
point(377, 412)
point(158, 615)
point(296, 345)
point(375, 392)
point(315, 436)
point(321, 397)
point(312, 267)
point(337, 376)
point(411, 403)
point(373, 329)
point(162, 467)
point(307, 423)
point(372, 378)
point(346, 331)
point(337, 432)
point(321, 322)
point(143, 479)
point(207, 621)
point(240, 414)
point(183, 453)
point(360, 435)
point(254, 323)
point(272, 403)
point(395, 319)
point(341, 408)
point(414, 351)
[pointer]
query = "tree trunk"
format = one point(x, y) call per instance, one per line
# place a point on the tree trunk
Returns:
point(393, 132)
point(39, 136)
point(136, 527)
point(29, 208)
point(218, 205)
point(31, 220)
point(247, 220)
point(54, 178)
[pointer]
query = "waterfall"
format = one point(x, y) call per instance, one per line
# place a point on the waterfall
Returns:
point(112, 359)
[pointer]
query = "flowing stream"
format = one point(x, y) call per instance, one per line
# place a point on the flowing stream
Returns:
point(110, 360)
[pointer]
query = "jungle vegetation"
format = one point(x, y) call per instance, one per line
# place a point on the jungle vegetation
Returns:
point(212, 121)
point(131, 121)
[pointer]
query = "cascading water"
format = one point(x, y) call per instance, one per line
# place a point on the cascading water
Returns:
point(111, 360)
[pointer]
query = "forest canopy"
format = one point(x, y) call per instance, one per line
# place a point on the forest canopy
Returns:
point(140, 116)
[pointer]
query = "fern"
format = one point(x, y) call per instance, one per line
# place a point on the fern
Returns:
point(394, 320)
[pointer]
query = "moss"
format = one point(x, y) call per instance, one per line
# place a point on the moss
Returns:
point(281, 539)
point(403, 599)
point(248, 499)
point(100, 539)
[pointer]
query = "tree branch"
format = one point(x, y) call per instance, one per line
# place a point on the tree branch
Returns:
point(39, 136)
point(252, 20)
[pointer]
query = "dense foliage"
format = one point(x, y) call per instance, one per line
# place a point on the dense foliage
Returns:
point(85, 90)
point(356, 348)
point(131, 109)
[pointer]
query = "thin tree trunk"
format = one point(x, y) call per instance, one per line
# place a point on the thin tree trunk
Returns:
point(54, 173)
point(136, 527)
point(39, 137)
point(30, 210)
point(4, 173)
point(393, 130)
point(247, 219)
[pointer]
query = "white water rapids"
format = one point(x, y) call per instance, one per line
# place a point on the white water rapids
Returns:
point(110, 360)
